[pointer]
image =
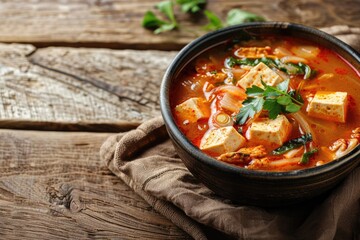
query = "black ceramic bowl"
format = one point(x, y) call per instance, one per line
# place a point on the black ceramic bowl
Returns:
point(249, 186)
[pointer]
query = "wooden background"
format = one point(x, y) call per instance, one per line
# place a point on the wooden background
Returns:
point(71, 74)
point(116, 24)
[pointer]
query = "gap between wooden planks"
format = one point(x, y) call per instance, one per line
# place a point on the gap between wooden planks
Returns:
point(53, 184)
point(79, 89)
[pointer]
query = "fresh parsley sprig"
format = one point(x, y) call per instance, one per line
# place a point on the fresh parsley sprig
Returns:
point(251, 106)
point(275, 100)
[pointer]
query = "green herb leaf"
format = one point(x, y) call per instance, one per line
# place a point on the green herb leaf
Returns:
point(271, 92)
point(167, 8)
point(289, 68)
point(292, 107)
point(306, 156)
point(273, 107)
point(231, 61)
point(284, 85)
point(297, 69)
point(295, 94)
point(192, 6)
point(215, 22)
point(293, 143)
point(151, 21)
point(237, 16)
point(284, 100)
point(308, 72)
point(267, 61)
point(251, 106)
point(164, 28)
point(234, 16)
point(275, 100)
point(254, 91)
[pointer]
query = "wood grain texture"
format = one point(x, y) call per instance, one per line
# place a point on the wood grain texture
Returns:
point(117, 23)
point(129, 74)
point(96, 89)
point(53, 186)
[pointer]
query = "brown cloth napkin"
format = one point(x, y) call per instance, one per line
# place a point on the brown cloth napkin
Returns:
point(146, 161)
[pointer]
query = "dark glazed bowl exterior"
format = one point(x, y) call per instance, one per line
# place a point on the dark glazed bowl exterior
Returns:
point(248, 186)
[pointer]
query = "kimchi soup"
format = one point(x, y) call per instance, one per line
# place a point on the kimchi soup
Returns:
point(271, 103)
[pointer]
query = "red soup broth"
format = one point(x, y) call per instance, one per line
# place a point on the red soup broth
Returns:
point(217, 85)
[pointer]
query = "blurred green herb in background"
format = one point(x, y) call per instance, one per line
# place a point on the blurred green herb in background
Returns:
point(150, 20)
point(215, 22)
point(192, 6)
point(234, 16)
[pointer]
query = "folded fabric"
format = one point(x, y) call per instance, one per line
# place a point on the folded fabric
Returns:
point(146, 161)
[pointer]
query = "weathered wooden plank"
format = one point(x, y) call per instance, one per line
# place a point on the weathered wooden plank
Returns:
point(116, 23)
point(128, 74)
point(107, 90)
point(54, 186)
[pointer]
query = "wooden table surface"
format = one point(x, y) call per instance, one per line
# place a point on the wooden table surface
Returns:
point(73, 73)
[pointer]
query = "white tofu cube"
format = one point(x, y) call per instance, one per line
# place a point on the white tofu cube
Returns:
point(265, 130)
point(192, 110)
point(258, 73)
point(222, 140)
point(329, 105)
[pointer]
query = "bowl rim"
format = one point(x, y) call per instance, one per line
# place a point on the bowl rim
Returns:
point(196, 153)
